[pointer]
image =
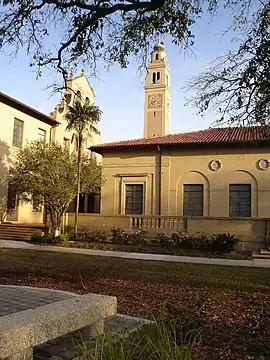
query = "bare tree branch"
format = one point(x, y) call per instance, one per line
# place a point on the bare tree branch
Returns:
point(236, 87)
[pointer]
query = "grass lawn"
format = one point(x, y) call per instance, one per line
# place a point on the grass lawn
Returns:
point(229, 305)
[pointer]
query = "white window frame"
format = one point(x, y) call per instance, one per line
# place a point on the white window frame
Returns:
point(41, 134)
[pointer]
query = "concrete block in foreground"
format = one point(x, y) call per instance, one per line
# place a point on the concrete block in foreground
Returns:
point(21, 331)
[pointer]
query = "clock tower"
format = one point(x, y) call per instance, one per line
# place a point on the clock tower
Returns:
point(157, 106)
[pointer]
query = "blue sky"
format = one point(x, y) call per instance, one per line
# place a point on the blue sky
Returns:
point(120, 93)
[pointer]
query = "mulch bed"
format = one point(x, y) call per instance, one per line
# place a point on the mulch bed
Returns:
point(230, 306)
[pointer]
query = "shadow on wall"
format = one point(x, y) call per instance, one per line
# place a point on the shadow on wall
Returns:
point(4, 158)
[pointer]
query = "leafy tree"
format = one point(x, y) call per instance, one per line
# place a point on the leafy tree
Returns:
point(4, 209)
point(94, 29)
point(236, 87)
point(48, 174)
point(82, 117)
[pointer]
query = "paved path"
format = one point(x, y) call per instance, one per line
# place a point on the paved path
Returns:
point(139, 256)
point(14, 298)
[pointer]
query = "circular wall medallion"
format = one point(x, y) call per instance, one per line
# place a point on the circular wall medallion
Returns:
point(263, 164)
point(215, 165)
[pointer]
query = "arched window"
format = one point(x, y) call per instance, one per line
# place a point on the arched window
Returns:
point(158, 77)
point(156, 56)
point(87, 100)
point(154, 78)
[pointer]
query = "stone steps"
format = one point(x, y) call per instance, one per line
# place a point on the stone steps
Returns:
point(71, 346)
point(264, 254)
point(19, 232)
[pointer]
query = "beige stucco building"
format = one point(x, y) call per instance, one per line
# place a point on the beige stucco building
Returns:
point(75, 86)
point(212, 173)
point(218, 178)
point(218, 172)
point(21, 123)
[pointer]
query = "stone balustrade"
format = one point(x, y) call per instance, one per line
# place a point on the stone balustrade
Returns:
point(178, 223)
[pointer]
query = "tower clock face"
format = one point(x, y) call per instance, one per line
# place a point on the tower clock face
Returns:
point(154, 101)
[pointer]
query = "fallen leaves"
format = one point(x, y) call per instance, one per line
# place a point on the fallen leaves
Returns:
point(234, 324)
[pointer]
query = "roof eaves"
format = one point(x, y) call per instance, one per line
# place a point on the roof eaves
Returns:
point(100, 149)
point(8, 100)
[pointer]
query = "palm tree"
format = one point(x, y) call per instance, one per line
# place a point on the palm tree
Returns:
point(81, 118)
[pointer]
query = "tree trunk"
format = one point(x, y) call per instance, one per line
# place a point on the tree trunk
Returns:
point(78, 184)
point(52, 217)
point(55, 221)
point(3, 213)
point(58, 224)
point(45, 215)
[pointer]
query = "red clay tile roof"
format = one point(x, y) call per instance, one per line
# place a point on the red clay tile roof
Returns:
point(229, 135)
point(5, 99)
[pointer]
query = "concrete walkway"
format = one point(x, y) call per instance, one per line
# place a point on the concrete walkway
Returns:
point(138, 256)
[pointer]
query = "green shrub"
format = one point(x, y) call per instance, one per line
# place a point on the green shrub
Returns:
point(159, 340)
point(102, 235)
point(187, 242)
point(69, 230)
point(44, 239)
point(95, 236)
point(89, 236)
point(138, 237)
point(81, 236)
point(63, 238)
point(164, 240)
point(174, 241)
point(219, 243)
point(224, 243)
point(36, 238)
point(49, 239)
point(168, 340)
point(202, 243)
point(120, 236)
